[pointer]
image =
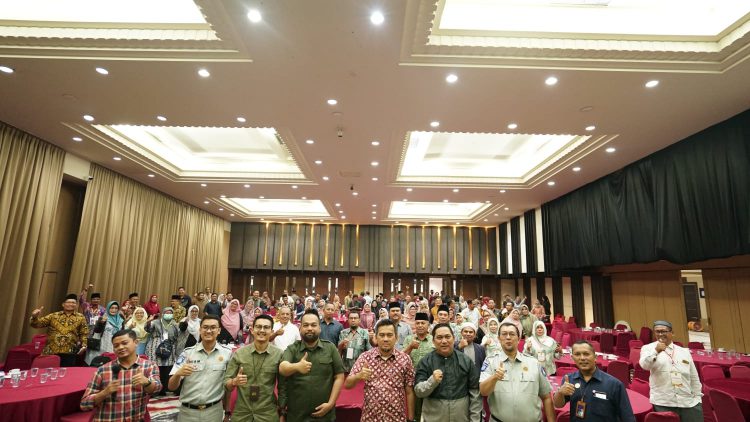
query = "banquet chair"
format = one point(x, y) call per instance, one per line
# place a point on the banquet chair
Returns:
point(110, 355)
point(696, 345)
point(725, 406)
point(17, 358)
point(607, 340)
point(620, 370)
point(634, 344)
point(99, 361)
point(679, 343)
point(662, 417)
point(565, 340)
point(41, 338)
point(565, 370)
point(571, 319)
point(46, 361)
point(521, 343)
point(593, 325)
point(645, 335)
point(78, 417)
point(710, 372)
point(641, 387)
point(622, 325)
point(739, 371)
point(597, 346)
point(571, 326)
point(621, 344)
point(563, 417)
point(558, 338)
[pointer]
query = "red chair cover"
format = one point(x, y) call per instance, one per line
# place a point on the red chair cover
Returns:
point(662, 417)
point(645, 335)
point(593, 325)
point(46, 361)
point(696, 345)
point(597, 346)
point(635, 344)
point(607, 340)
point(710, 372)
point(565, 340)
point(725, 406)
point(78, 417)
point(563, 417)
point(17, 357)
point(564, 370)
point(640, 386)
point(739, 371)
point(619, 370)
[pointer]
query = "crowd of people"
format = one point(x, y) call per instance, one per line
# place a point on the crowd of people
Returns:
point(424, 357)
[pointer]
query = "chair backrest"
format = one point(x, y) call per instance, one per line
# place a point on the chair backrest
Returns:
point(635, 344)
point(622, 325)
point(554, 332)
point(725, 406)
point(619, 370)
point(563, 417)
point(110, 355)
point(597, 346)
point(46, 361)
point(571, 319)
point(565, 340)
point(662, 417)
point(17, 358)
point(635, 356)
point(710, 372)
point(558, 337)
point(571, 326)
point(645, 335)
point(622, 340)
point(679, 343)
point(641, 387)
point(564, 370)
point(41, 338)
point(608, 342)
point(739, 371)
point(99, 361)
point(696, 345)
point(593, 325)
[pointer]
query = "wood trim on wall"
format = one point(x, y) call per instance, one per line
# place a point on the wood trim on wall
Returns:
point(727, 300)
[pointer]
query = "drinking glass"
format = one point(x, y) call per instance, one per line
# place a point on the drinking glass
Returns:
point(43, 378)
point(53, 374)
point(47, 371)
point(34, 372)
point(15, 380)
point(61, 372)
point(24, 374)
point(2, 381)
point(36, 345)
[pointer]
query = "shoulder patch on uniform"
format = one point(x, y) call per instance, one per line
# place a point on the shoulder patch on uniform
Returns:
point(485, 365)
point(180, 360)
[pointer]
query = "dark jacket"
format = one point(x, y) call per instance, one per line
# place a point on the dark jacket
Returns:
point(479, 354)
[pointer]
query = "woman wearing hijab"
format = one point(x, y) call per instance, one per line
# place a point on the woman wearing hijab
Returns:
point(162, 331)
point(367, 317)
point(515, 318)
point(189, 333)
point(152, 306)
point(382, 314)
point(247, 311)
point(411, 315)
point(231, 324)
point(108, 324)
point(491, 340)
point(543, 348)
point(527, 322)
point(137, 323)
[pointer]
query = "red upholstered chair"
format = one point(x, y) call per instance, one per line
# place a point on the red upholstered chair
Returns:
point(710, 372)
point(521, 343)
point(662, 417)
point(41, 338)
point(554, 333)
point(621, 344)
point(635, 344)
point(739, 371)
point(46, 361)
point(725, 406)
point(563, 417)
point(110, 355)
point(621, 327)
point(565, 340)
point(645, 335)
point(620, 370)
point(571, 319)
point(17, 358)
point(78, 417)
point(565, 370)
point(593, 325)
point(696, 345)
point(641, 387)
point(597, 346)
point(570, 326)
point(558, 337)
point(608, 341)
point(708, 410)
point(679, 343)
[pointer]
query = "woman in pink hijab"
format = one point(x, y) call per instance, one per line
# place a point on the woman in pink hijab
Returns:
point(231, 323)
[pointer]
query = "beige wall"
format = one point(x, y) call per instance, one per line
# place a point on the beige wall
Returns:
point(728, 303)
point(640, 298)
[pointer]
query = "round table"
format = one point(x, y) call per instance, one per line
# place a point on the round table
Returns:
point(33, 401)
point(639, 403)
point(601, 363)
point(737, 388)
point(701, 357)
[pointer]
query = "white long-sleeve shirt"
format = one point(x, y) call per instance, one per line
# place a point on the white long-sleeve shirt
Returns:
point(674, 380)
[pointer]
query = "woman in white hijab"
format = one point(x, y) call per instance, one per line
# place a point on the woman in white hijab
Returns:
point(189, 334)
point(543, 347)
point(491, 340)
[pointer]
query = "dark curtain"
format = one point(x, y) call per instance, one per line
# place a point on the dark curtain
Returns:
point(601, 298)
point(503, 241)
point(576, 290)
point(515, 243)
point(557, 297)
point(541, 287)
point(527, 291)
point(529, 227)
point(688, 202)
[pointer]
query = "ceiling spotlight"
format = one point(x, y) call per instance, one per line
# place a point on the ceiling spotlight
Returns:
point(254, 16)
point(551, 81)
point(304, 198)
point(590, 128)
point(374, 205)
point(374, 179)
point(222, 196)
point(652, 84)
point(161, 118)
point(404, 200)
point(551, 183)
point(409, 189)
point(261, 197)
point(102, 71)
point(576, 169)
point(343, 217)
point(151, 175)
point(326, 178)
point(247, 186)
point(610, 150)
point(332, 102)
point(204, 73)
point(377, 18)
point(451, 78)
point(375, 143)
point(374, 212)
point(337, 204)
point(221, 209)
point(294, 186)
point(77, 138)
point(203, 185)
point(205, 202)
point(231, 215)
point(455, 190)
point(318, 162)
point(435, 124)
point(241, 119)
point(88, 117)
point(6, 69)
point(486, 219)
point(512, 126)
point(374, 218)
point(506, 209)
point(355, 193)
point(502, 190)
point(374, 163)
point(116, 158)
point(445, 200)
point(309, 142)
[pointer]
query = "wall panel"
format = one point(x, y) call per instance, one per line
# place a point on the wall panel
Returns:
point(728, 305)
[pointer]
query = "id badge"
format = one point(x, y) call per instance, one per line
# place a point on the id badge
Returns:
point(349, 353)
point(580, 409)
point(676, 379)
point(541, 356)
point(93, 320)
point(164, 335)
point(254, 392)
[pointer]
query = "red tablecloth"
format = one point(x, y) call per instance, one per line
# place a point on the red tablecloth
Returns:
point(349, 404)
point(37, 402)
point(737, 388)
point(581, 334)
point(601, 363)
point(639, 403)
point(704, 359)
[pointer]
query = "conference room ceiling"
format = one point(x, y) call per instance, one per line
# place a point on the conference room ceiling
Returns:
point(448, 111)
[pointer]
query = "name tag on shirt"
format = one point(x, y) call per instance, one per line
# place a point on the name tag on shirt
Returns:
point(350, 353)
point(93, 320)
point(599, 395)
point(541, 356)
point(676, 379)
point(164, 335)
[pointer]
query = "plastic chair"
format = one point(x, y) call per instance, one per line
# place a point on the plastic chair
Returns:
point(635, 344)
point(739, 371)
point(641, 387)
point(662, 417)
point(620, 370)
point(46, 361)
point(725, 406)
point(597, 346)
point(565, 340)
point(607, 340)
point(17, 358)
point(563, 417)
point(696, 345)
point(645, 335)
point(710, 372)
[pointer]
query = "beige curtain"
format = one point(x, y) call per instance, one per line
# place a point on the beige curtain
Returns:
point(135, 239)
point(30, 177)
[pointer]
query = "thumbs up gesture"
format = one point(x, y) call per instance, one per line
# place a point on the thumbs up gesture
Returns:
point(567, 389)
point(463, 343)
point(365, 374)
point(186, 370)
point(139, 378)
point(303, 366)
point(37, 311)
point(438, 375)
point(500, 372)
point(660, 346)
point(240, 379)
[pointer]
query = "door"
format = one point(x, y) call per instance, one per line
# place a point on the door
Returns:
point(692, 304)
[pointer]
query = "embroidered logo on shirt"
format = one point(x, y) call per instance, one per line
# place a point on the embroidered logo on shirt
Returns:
point(485, 365)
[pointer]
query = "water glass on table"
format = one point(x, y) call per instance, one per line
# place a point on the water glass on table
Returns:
point(37, 345)
point(15, 379)
point(24, 374)
point(53, 374)
point(34, 372)
point(43, 378)
point(61, 372)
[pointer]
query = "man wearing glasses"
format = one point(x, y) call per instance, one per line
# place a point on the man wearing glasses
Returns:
point(201, 370)
point(254, 370)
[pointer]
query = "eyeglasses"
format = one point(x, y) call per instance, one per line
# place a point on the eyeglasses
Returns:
point(210, 328)
point(508, 334)
point(657, 332)
point(263, 327)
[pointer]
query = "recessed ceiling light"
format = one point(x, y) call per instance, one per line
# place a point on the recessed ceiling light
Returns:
point(247, 186)
point(294, 186)
point(652, 84)
point(486, 202)
point(321, 220)
point(222, 196)
point(161, 118)
point(253, 15)
point(551, 183)
point(309, 142)
point(497, 214)
point(6, 69)
point(337, 204)
point(611, 150)
point(377, 18)
point(205, 202)
point(374, 179)
point(502, 190)
point(343, 217)
point(262, 219)
point(355, 193)
point(512, 126)
point(77, 138)
point(374, 218)
point(116, 158)
point(455, 190)
point(457, 223)
point(318, 162)
point(231, 215)
point(374, 205)
point(221, 209)
point(374, 163)
point(585, 109)
point(590, 128)
point(204, 73)
point(332, 102)
point(486, 219)
point(374, 212)
point(375, 143)
point(203, 185)
point(427, 222)
point(261, 197)
point(550, 81)
point(102, 71)
point(304, 197)
point(409, 189)
point(88, 117)
point(435, 123)
point(241, 119)
point(404, 200)
point(396, 222)
point(326, 178)
point(451, 78)
point(506, 209)
point(576, 168)
point(445, 200)
point(151, 175)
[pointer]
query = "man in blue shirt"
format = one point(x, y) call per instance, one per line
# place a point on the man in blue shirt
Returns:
point(330, 328)
point(593, 395)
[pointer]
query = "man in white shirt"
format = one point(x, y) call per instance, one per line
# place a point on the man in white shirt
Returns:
point(368, 298)
point(471, 313)
point(284, 332)
point(675, 386)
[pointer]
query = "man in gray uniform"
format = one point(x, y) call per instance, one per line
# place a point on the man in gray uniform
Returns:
point(201, 370)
